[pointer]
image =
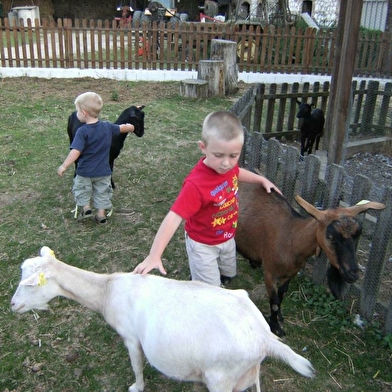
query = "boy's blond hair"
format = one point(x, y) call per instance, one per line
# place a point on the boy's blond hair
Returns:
point(91, 102)
point(221, 125)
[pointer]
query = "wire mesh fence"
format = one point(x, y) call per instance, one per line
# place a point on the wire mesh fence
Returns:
point(328, 186)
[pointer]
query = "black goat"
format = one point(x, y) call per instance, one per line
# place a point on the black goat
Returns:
point(271, 232)
point(311, 128)
point(133, 115)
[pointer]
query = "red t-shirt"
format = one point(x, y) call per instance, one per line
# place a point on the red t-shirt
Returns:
point(208, 202)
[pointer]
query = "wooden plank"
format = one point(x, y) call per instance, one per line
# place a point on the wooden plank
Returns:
point(270, 108)
point(310, 180)
point(293, 106)
point(258, 111)
point(282, 108)
point(256, 142)
point(378, 254)
point(370, 106)
point(273, 152)
point(107, 44)
point(290, 173)
point(60, 33)
point(53, 42)
point(386, 98)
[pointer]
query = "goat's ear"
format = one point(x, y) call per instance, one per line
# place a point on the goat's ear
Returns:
point(310, 209)
point(299, 102)
point(46, 251)
point(364, 205)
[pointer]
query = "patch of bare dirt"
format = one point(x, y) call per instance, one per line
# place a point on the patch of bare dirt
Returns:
point(378, 167)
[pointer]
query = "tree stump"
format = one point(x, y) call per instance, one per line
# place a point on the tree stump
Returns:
point(212, 71)
point(194, 88)
point(227, 51)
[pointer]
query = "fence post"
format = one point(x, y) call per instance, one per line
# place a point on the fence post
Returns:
point(376, 260)
point(258, 112)
point(370, 106)
point(385, 104)
point(290, 172)
point(311, 178)
point(255, 155)
point(334, 186)
point(293, 106)
point(270, 108)
point(212, 71)
point(226, 51)
point(272, 159)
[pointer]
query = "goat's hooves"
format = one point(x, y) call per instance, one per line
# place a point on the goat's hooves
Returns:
point(278, 331)
point(135, 388)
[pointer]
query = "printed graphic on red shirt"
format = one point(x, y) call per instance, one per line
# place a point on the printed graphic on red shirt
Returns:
point(226, 200)
point(208, 203)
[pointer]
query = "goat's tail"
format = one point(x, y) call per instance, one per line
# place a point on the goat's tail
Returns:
point(283, 352)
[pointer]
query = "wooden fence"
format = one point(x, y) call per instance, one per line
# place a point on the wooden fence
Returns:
point(325, 187)
point(104, 44)
point(271, 110)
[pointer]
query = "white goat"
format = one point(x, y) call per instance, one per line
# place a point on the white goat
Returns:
point(188, 330)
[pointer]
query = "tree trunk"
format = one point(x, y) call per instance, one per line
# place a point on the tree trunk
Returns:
point(227, 51)
point(212, 71)
point(194, 88)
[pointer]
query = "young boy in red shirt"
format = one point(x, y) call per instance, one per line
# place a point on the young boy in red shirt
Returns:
point(208, 203)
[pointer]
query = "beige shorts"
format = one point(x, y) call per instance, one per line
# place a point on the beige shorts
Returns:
point(208, 262)
point(99, 189)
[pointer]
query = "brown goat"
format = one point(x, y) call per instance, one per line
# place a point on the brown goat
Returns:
point(271, 232)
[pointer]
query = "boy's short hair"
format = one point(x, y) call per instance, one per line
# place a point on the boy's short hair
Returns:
point(91, 102)
point(221, 125)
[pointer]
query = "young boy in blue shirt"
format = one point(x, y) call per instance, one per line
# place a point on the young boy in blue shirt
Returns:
point(91, 147)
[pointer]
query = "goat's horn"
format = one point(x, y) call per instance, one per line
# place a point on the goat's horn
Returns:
point(310, 209)
point(364, 205)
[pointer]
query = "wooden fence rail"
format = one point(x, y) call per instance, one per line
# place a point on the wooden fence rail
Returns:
point(325, 187)
point(104, 44)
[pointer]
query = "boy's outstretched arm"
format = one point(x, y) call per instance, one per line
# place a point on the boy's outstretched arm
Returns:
point(71, 158)
point(164, 234)
point(248, 176)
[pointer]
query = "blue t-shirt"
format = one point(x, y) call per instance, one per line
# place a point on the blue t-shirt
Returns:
point(94, 141)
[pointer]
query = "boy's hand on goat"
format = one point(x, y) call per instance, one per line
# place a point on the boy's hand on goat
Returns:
point(269, 186)
point(124, 128)
point(148, 264)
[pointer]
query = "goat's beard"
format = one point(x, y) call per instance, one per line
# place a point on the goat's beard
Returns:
point(338, 286)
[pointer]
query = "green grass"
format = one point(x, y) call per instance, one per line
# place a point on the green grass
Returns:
point(71, 348)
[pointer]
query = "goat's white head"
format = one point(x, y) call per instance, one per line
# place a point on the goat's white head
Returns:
point(36, 287)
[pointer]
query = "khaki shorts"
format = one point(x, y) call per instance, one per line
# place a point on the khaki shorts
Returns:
point(99, 189)
point(208, 262)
